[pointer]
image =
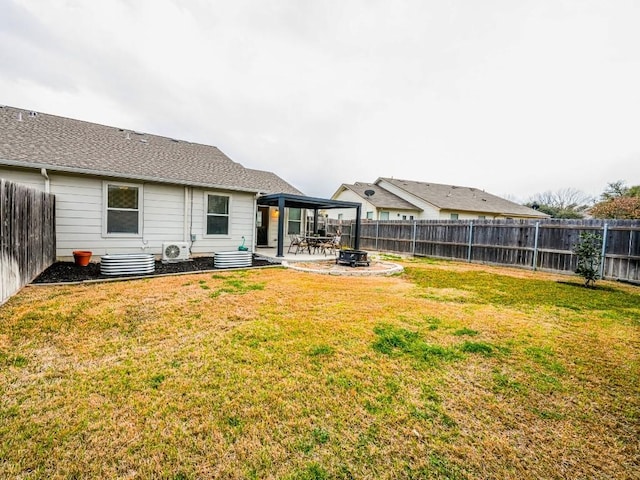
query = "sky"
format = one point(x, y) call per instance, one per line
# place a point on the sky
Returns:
point(515, 97)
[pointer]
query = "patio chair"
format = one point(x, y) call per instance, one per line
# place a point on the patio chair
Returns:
point(295, 243)
point(332, 244)
point(304, 244)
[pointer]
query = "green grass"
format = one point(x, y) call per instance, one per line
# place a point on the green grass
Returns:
point(482, 348)
point(466, 331)
point(233, 286)
point(392, 340)
point(506, 290)
point(449, 371)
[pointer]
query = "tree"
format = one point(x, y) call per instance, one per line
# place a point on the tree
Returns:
point(589, 253)
point(634, 191)
point(614, 190)
point(618, 201)
point(563, 203)
point(625, 208)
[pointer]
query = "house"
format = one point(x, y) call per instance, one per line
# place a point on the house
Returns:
point(395, 199)
point(124, 191)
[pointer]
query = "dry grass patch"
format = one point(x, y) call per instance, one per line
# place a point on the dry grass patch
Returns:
point(281, 374)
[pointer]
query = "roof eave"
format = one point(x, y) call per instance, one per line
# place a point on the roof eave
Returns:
point(302, 201)
point(496, 212)
point(105, 173)
point(340, 189)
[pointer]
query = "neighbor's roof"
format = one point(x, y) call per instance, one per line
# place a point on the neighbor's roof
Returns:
point(39, 140)
point(381, 198)
point(468, 199)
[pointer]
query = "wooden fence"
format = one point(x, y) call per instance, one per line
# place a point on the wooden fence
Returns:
point(27, 235)
point(543, 244)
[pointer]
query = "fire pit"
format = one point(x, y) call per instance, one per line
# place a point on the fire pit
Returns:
point(355, 258)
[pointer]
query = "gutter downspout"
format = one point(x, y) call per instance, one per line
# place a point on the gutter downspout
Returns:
point(254, 236)
point(47, 182)
point(186, 233)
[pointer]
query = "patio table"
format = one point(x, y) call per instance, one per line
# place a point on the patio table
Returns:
point(314, 240)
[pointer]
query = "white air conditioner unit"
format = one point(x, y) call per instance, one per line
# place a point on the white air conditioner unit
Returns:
point(175, 251)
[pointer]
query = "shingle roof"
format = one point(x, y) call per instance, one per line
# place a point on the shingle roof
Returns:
point(59, 143)
point(468, 199)
point(381, 198)
point(269, 182)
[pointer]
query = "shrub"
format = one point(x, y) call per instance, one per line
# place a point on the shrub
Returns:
point(589, 253)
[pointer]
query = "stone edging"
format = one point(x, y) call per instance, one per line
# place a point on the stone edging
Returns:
point(393, 268)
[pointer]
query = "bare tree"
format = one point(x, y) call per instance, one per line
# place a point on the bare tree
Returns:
point(563, 199)
point(563, 203)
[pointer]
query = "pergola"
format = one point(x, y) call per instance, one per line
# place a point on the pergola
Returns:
point(287, 200)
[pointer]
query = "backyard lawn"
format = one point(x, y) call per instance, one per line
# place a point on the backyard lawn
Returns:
point(447, 371)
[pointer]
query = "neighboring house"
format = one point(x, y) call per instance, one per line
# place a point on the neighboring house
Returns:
point(394, 199)
point(377, 203)
point(123, 191)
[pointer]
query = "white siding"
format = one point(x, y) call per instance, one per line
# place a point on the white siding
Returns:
point(242, 223)
point(163, 215)
point(347, 195)
point(273, 226)
point(31, 178)
point(272, 240)
point(429, 212)
point(350, 213)
point(398, 214)
point(274, 217)
point(80, 216)
point(446, 215)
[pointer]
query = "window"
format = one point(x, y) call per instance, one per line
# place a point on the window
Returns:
point(384, 215)
point(217, 214)
point(295, 221)
point(410, 217)
point(481, 217)
point(404, 217)
point(340, 216)
point(454, 216)
point(369, 215)
point(122, 209)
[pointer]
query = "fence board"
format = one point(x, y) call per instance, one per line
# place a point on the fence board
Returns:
point(27, 235)
point(506, 242)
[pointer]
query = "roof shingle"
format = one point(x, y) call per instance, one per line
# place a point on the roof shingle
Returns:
point(59, 143)
point(381, 198)
point(468, 199)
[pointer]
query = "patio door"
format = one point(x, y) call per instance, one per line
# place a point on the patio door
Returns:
point(262, 227)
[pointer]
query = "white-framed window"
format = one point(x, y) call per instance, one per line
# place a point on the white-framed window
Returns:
point(384, 215)
point(481, 217)
point(454, 216)
point(340, 216)
point(294, 225)
point(217, 216)
point(122, 215)
point(370, 215)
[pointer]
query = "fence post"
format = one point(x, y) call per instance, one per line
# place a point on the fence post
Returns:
point(413, 240)
point(377, 232)
point(604, 249)
point(470, 241)
point(535, 247)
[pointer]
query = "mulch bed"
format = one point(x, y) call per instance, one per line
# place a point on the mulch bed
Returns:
point(62, 272)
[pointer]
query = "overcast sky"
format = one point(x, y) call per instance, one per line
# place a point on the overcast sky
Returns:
point(512, 96)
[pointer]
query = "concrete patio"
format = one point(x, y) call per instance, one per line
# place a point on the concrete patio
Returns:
point(271, 254)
